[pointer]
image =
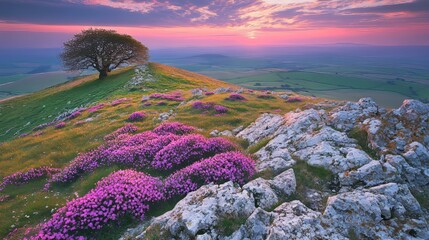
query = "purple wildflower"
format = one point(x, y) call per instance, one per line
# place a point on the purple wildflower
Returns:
point(96, 108)
point(136, 116)
point(174, 128)
point(222, 167)
point(129, 128)
point(20, 178)
point(189, 149)
point(119, 101)
point(294, 99)
point(174, 96)
point(235, 97)
point(220, 109)
point(120, 193)
point(60, 125)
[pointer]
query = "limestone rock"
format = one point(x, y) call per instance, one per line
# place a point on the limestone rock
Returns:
point(284, 183)
point(345, 117)
point(197, 92)
point(265, 197)
point(371, 174)
point(200, 211)
point(387, 211)
point(263, 127)
point(294, 220)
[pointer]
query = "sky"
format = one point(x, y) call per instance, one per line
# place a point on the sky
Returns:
point(203, 23)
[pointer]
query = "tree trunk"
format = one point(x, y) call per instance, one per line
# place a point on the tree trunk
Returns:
point(103, 73)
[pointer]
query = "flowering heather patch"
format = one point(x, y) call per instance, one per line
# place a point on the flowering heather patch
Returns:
point(294, 99)
point(208, 106)
point(24, 135)
point(131, 192)
point(139, 156)
point(136, 116)
point(209, 93)
point(235, 97)
point(20, 178)
point(128, 192)
point(74, 114)
point(119, 101)
point(129, 128)
point(60, 125)
point(220, 109)
point(189, 149)
point(174, 96)
point(95, 108)
point(174, 128)
point(38, 133)
point(203, 106)
point(101, 156)
point(229, 166)
point(120, 193)
point(147, 104)
point(161, 103)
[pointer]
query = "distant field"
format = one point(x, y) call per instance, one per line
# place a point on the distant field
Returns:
point(335, 86)
point(387, 77)
point(28, 83)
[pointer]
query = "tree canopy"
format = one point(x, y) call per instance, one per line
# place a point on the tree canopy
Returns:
point(103, 50)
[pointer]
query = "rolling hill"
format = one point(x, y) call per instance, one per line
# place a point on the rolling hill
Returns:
point(102, 159)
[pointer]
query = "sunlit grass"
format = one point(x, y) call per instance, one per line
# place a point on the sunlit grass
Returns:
point(57, 147)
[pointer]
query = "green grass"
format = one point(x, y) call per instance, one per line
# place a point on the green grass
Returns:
point(309, 177)
point(22, 114)
point(227, 225)
point(317, 83)
point(57, 147)
point(362, 138)
point(254, 148)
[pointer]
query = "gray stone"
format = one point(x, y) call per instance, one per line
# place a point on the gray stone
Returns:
point(284, 183)
point(265, 197)
point(263, 127)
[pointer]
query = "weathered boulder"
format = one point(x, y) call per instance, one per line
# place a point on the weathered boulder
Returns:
point(387, 211)
point(275, 156)
point(284, 183)
point(200, 211)
point(264, 196)
point(417, 155)
point(371, 174)
point(345, 117)
point(263, 127)
point(331, 150)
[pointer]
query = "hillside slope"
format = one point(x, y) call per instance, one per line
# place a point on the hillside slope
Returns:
point(116, 155)
point(51, 127)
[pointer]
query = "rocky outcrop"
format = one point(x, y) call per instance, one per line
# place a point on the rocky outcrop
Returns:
point(265, 126)
point(387, 211)
point(141, 75)
point(369, 195)
point(346, 117)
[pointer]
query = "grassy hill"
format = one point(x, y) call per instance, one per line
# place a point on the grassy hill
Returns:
point(29, 204)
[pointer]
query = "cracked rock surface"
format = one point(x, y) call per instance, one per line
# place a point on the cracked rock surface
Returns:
point(377, 162)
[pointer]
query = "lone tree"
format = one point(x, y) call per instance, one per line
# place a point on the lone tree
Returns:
point(103, 50)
